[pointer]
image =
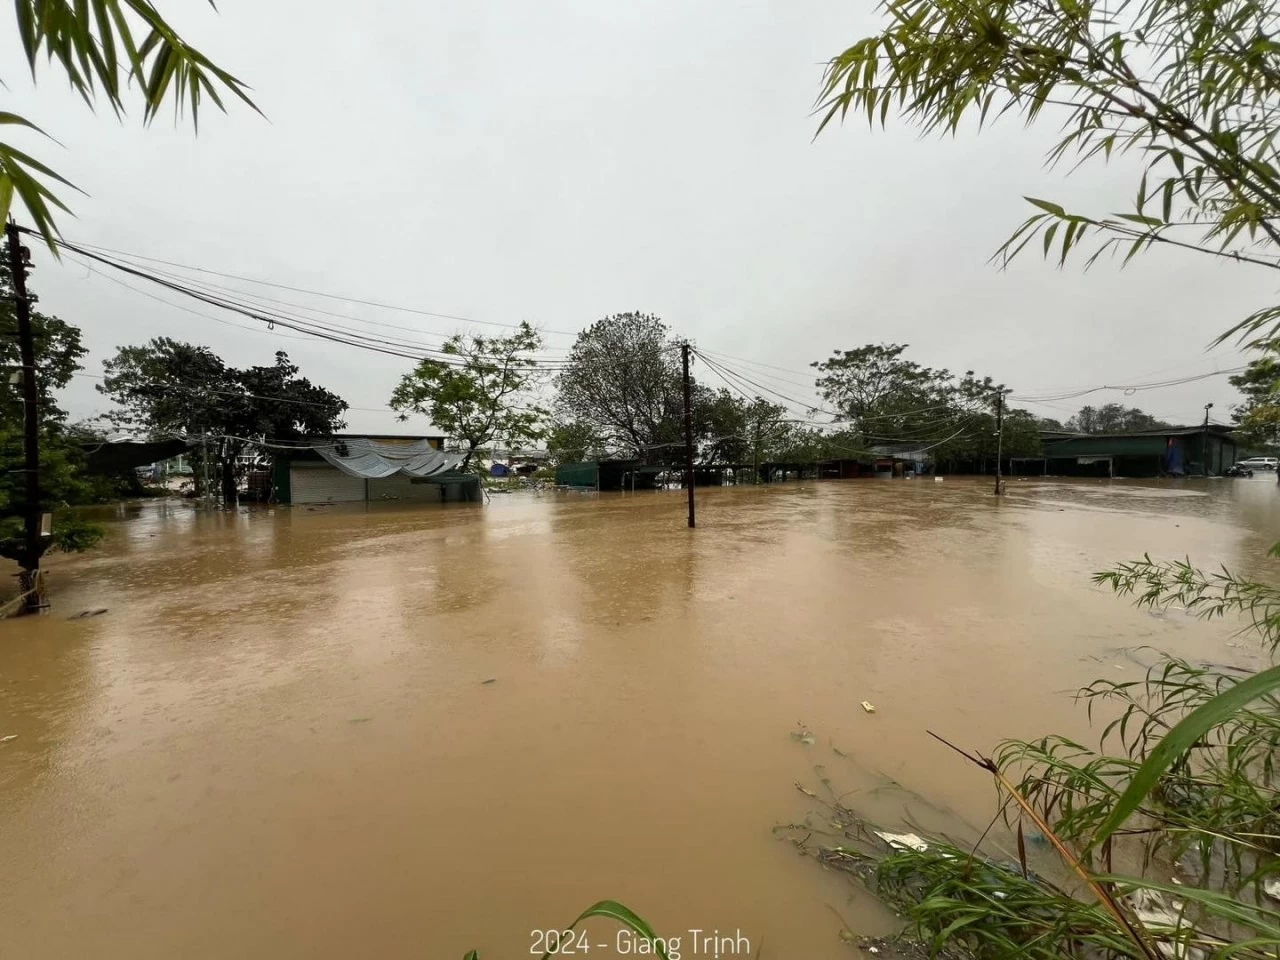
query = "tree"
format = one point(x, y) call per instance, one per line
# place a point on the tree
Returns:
point(572, 443)
point(169, 387)
point(1258, 418)
point(62, 481)
point(875, 389)
point(729, 428)
point(1191, 93)
point(96, 44)
point(623, 380)
point(479, 391)
point(1112, 418)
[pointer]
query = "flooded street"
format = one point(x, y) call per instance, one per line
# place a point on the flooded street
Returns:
point(279, 742)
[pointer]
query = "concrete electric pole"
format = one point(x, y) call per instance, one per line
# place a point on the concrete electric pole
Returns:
point(688, 431)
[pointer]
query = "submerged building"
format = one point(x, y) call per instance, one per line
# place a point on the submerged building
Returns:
point(1163, 451)
point(351, 469)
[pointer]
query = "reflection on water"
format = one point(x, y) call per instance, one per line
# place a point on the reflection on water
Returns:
point(277, 741)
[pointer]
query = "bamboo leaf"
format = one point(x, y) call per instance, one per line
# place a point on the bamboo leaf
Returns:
point(1048, 237)
point(1142, 219)
point(34, 164)
point(6, 196)
point(1048, 207)
point(1180, 739)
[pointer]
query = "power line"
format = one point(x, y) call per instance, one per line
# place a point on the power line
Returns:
point(178, 306)
point(717, 369)
point(746, 379)
point(1130, 388)
point(302, 325)
point(721, 369)
point(724, 373)
point(229, 292)
point(756, 363)
point(318, 293)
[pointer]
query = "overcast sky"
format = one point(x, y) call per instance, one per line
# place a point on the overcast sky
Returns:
point(560, 161)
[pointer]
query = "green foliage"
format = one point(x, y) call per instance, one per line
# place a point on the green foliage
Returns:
point(878, 391)
point(1227, 706)
point(622, 381)
point(103, 47)
point(1258, 418)
point(1189, 91)
point(481, 392)
point(573, 443)
point(989, 910)
point(1156, 584)
point(889, 399)
point(729, 428)
point(63, 482)
point(612, 910)
point(1112, 418)
point(167, 388)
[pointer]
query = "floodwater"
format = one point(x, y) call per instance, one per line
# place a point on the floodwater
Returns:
point(278, 741)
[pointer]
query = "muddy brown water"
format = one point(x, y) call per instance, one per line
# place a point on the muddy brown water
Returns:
point(278, 741)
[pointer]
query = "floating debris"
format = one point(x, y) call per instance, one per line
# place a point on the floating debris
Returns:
point(1154, 911)
point(902, 841)
point(12, 736)
point(802, 734)
point(86, 614)
point(869, 707)
point(490, 680)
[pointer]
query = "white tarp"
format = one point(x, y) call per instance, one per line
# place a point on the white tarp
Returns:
point(373, 460)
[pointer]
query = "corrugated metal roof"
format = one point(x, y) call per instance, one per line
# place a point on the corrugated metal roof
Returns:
point(1216, 429)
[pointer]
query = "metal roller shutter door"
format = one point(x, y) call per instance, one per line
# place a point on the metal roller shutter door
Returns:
point(323, 484)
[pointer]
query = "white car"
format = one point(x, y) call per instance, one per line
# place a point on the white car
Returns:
point(1259, 463)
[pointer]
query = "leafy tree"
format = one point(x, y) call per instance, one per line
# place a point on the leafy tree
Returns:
point(891, 400)
point(1112, 418)
point(62, 481)
point(169, 387)
point(108, 47)
point(480, 391)
point(1258, 418)
point(572, 443)
point(623, 380)
point(736, 430)
point(878, 391)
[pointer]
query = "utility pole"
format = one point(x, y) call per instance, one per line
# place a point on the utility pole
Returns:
point(755, 454)
point(30, 420)
point(999, 434)
point(204, 469)
point(688, 431)
point(1204, 442)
